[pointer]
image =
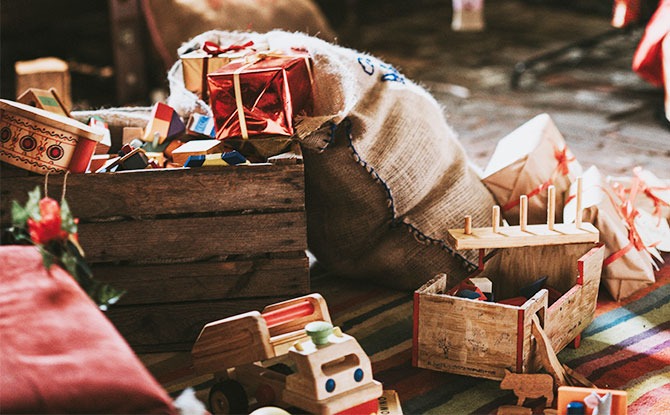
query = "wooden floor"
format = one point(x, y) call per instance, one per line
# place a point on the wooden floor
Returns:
point(608, 115)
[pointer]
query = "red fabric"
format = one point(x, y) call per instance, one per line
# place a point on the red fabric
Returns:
point(648, 59)
point(58, 351)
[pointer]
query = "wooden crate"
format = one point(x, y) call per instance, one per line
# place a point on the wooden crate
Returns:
point(482, 339)
point(189, 245)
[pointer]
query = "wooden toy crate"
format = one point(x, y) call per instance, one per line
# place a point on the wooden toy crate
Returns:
point(188, 245)
point(482, 339)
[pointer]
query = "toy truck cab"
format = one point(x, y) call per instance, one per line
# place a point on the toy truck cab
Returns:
point(268, 358)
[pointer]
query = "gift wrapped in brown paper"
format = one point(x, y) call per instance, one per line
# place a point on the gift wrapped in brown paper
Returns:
point(628, 265)
point(206, 59)
point(526, 162)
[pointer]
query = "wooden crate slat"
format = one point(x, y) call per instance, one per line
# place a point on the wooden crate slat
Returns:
point(168, 191)
point(202, 281)
point(193, 238)
point(161, 327)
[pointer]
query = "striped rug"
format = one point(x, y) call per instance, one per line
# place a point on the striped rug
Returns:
point(626, 347)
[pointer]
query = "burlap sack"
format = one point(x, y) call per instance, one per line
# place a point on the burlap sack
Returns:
point(627, 268)
point(385, 174)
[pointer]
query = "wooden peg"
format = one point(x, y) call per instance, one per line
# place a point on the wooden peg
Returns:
point(523, 213)
point(551, 207)
point(495, 218)
point(578, 215)
point(468, 225)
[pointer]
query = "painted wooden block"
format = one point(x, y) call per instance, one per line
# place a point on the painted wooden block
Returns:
point(45, 73)
point(194, 148)
point(201, 125)
point(43, 142)
point(164, 123)
point(566, 394)
point(46, 99)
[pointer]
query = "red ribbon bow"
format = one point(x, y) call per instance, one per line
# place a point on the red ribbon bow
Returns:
point(215, 50)
point(650, 192)
point(628, 213)
point(563, 168)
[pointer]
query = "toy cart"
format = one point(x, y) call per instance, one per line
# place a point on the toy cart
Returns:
point(483, 338)
point(289, 355)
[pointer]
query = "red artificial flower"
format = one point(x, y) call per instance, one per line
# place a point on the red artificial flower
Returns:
point(49, 226)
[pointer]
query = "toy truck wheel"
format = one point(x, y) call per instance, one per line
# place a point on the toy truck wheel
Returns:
point(228, 397)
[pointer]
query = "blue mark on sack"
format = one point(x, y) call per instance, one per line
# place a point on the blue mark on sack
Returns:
point(391, 74)
point(367, 65)
point(388, 72)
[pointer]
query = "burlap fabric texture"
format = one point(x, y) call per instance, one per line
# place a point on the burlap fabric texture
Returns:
point(385, 174)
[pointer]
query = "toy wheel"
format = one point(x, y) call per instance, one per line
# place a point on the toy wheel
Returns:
point(228, 397)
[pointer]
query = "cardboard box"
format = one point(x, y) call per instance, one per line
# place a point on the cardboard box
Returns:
point(482, 339)
point(189, 246)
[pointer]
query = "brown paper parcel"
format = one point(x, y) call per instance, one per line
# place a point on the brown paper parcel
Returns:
point(526, 162)
point(633, 269)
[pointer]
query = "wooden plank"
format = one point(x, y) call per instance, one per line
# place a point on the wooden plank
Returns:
point(167, 191)
point(547, 354)
point(534, 308)
point(213, 280)
point(463, 336)
point(574, 311)
point(175, 327)
point(512, 236)
point(519, 267)
point(173, 239)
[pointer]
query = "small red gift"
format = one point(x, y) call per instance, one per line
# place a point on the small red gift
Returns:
point(261, 95)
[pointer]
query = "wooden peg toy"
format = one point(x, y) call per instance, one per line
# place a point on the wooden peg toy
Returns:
point(495, 218)
point(578, 204)
point(523, 213)
point(468, 225)
point(551, 207)
point(523, 234)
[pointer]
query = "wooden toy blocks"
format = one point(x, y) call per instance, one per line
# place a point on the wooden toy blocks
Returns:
point(483, 339)
point(164, 124)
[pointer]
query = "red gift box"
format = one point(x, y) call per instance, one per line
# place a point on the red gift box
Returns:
point(261, 95)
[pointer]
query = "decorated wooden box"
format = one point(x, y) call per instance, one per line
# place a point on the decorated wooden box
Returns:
point(43, 142)
point(483, 338)
point(189, 246)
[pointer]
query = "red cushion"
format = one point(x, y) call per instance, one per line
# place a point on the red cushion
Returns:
point(58, 351)
point(648, 60)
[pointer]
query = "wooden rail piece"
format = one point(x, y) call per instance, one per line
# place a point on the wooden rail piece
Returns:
point(513, 236)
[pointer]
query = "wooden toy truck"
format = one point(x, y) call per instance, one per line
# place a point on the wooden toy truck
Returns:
point(289, 355)
point(481, 338)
